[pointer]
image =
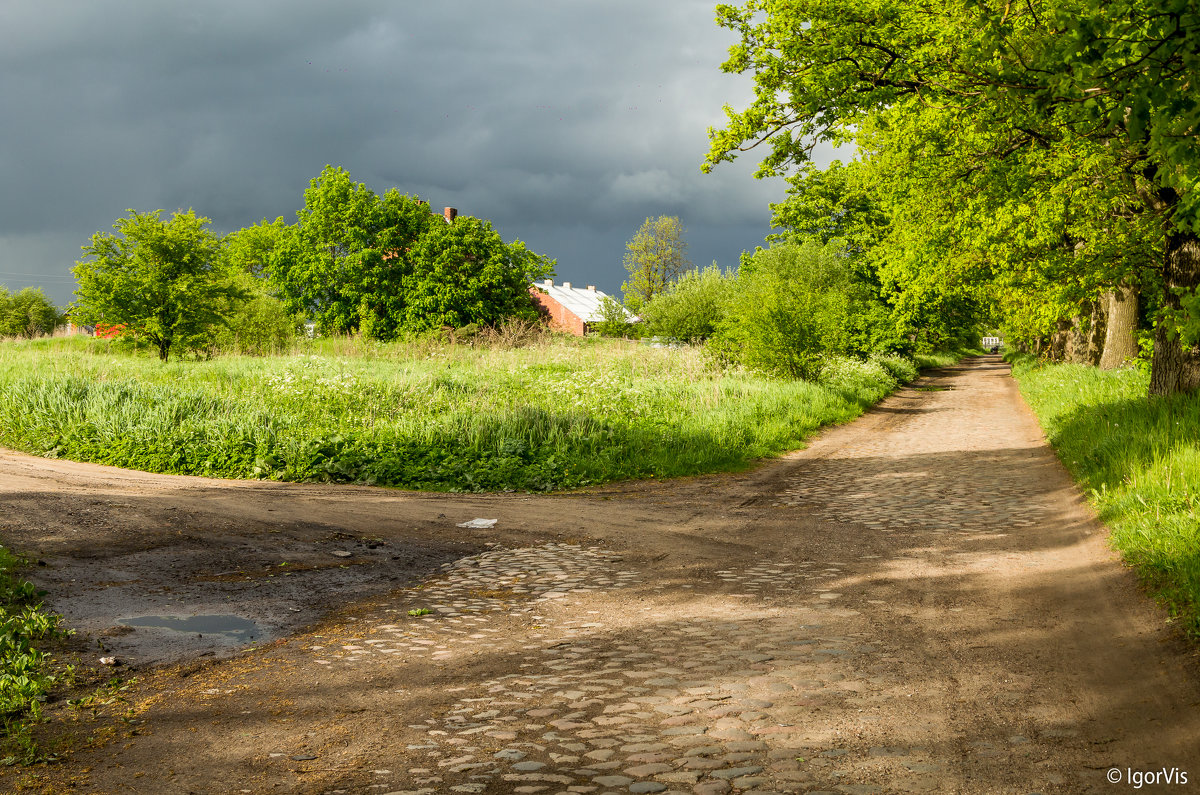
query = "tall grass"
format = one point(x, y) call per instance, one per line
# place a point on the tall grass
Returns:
point(424, 414)
point(1139, 460)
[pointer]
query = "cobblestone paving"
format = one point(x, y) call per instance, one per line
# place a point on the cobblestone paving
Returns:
point(455, 607)
point(715, 708)
point(766, 683)
point(881, 482)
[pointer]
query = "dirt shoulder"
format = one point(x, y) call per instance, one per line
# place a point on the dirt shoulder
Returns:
point(919, 602)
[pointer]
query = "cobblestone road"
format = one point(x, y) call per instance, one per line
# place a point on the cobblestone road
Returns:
point(868, 664)
point(918, 603)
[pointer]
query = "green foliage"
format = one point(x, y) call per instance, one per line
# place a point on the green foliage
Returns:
point(1017, 160)
point(419, 414)
point(257, 323)
point(615, 320)
point(793, 304)
point(465, 273)
point(252, 249)
point(1138, 460)
point(25, 671)
point(692, 307)
point(345, 261)
point(27, 313)
point(384, 266)
point(654, 257)
point(838, 203)
point(164, 281)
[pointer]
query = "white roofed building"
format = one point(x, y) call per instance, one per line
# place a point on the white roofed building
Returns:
point(567, 308)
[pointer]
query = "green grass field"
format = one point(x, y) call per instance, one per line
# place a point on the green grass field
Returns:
point(1139, 461)
point(561, 413)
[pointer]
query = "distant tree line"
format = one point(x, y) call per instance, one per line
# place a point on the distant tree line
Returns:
point(785, 310)
point(353, 262)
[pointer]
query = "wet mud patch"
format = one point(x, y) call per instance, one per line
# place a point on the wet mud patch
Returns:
point(155, 606)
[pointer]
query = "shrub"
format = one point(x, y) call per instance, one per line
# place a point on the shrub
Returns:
point(615, 320)
point(692, 307)
point(258, 325)
point(27, 313)
point(788, 308)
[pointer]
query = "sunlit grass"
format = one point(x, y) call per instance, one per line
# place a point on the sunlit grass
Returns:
point(1139, 460)
point(558, 414)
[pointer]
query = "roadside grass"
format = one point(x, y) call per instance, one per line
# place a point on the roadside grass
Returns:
point(560, 413)
point(26, 673)
point(1139, 461)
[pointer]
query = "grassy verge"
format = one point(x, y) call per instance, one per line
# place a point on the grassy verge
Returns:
point(558, 414)
point(1139, 461)
point(25, 672)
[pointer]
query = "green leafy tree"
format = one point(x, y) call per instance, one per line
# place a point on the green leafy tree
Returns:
point(252, 249)
point(345, 260)
point(1038, 76)
point(27, 313)
point(164, 281)
point(840, 202)
point(654, 257)
point(692, 307)
point(463, 272)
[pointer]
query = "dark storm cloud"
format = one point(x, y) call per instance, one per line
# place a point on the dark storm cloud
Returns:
point(565, 123)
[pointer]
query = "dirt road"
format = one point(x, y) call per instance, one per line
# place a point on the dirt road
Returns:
point(919, 602)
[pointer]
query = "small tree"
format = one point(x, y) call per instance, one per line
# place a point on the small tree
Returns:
point(164, 281)
point(692, 307)
point(614, 320)
point(27, 313)
point(654, 258)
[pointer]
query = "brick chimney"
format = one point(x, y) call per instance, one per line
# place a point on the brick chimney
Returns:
point(450, 213)
point(548, 283)
point(566, 285)
point(591, 288)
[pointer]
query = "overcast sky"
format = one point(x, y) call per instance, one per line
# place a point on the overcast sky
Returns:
point(565, 122)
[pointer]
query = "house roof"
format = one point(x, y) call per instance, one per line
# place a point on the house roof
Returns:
point(583, 303)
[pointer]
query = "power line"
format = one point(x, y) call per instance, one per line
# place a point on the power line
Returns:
point(36, 275)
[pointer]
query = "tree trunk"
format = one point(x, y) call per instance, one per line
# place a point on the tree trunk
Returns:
point(1058, 340)
point(1120, 339)
point(1082, 345)
point(1176, 367)
point(1096, 331)
point(164, 347)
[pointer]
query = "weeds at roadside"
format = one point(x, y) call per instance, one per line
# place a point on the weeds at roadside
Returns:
point(27, 674)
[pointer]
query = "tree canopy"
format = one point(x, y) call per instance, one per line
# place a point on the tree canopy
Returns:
point(359, 262)
point(164, 281)
point(27, 313)
point(654, 257)
point(1007, 149)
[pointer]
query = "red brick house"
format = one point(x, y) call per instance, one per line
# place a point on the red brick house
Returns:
point(567, 308)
